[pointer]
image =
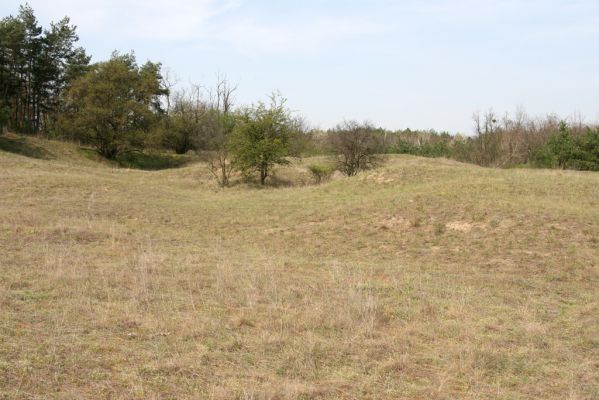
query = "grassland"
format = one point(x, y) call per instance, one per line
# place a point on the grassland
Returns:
point(424, 279)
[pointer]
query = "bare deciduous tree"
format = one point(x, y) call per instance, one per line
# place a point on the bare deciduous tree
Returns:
point(358, 146)
point(183, 132)
point(218, 125)
point(169, 81)
point(488, 136)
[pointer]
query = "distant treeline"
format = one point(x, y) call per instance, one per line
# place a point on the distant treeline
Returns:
point(510, 141)
point(118, 107)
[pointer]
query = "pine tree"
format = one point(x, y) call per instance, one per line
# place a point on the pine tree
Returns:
point(36, 66)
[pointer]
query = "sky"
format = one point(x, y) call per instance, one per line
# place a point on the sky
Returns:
point(419, 64)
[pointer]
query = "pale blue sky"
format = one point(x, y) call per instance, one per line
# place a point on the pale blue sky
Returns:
point(418, 64)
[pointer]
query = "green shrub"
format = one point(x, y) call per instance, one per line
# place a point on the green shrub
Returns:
point(544, 158)
point(403, 147)
point(439, 149)
point(562, 146)
point(586, 156)
point(564, 150)
point(321, 172)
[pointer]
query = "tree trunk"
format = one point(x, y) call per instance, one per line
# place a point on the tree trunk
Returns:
point(263, 174)
point(224, 175)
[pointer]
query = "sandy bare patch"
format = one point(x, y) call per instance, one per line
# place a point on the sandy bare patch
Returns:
point(459, 226)
point(378, 177)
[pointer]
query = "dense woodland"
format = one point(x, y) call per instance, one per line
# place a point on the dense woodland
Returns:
point(118, 107)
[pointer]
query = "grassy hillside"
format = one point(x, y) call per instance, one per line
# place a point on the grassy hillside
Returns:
point(423, 279)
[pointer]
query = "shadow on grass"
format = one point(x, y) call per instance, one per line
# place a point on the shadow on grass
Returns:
point(20, 145)
point(277, 182)
point(145, 161)
point(272, 182)
point(152, 161)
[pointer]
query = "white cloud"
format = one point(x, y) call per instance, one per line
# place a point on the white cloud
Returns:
point(148, 19)
point(233, 23)
point(252, 36)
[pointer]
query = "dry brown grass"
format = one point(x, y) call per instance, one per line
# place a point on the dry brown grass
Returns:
point(424, 279)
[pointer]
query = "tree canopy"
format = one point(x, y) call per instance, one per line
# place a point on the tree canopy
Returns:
point(262, 136)
point(115, 105)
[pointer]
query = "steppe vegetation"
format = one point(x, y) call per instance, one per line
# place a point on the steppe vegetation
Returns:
point(424, 278)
